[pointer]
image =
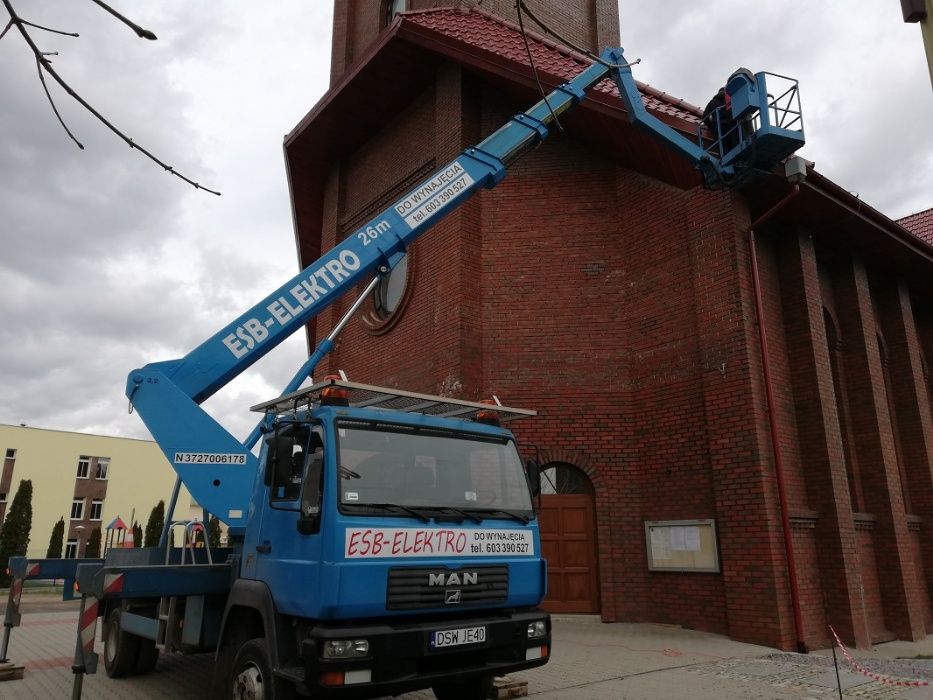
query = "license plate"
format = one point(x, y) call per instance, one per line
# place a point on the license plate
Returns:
point(458, 637)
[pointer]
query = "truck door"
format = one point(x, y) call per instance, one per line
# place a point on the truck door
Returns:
point(288, 548)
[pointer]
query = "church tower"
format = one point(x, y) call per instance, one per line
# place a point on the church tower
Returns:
point(588, 24)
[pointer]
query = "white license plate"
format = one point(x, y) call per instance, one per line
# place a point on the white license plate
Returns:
point(454, 638)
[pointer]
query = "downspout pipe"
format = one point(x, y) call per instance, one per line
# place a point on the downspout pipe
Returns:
point(772, 418)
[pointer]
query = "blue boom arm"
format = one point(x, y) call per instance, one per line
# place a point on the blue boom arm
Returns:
point(764, 129)
point(218, 470)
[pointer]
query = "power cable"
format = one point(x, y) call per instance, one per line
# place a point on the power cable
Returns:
point(579, 49)
point(534, 69)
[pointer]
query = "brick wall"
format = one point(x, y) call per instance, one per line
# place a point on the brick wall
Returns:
point(573, 288)
point(816, 631)
point(874, 604)
point(623, 311)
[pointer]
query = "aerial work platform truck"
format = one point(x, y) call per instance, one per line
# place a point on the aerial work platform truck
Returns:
point(381, 541)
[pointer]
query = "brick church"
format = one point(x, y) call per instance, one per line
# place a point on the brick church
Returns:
point(734, 410)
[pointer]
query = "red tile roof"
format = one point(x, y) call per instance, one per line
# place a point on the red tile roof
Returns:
point(920, 224)
point(484, 32)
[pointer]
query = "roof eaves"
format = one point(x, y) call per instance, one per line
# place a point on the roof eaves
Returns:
point(842, 197)
point(348, 77)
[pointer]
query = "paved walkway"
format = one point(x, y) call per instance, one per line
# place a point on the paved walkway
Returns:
point(591, 661)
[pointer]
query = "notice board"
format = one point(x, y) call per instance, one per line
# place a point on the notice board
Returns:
point(682, 545)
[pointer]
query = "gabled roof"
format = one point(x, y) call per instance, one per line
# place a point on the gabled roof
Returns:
point(116, 524)
point(920, 224)
point(498, 37)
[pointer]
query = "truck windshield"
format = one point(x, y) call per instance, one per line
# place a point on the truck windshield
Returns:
point(418, 471)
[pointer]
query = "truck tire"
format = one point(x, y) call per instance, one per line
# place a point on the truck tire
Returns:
point(251, 677)
point(146, 656)
point(473, 689)
point(120, 648)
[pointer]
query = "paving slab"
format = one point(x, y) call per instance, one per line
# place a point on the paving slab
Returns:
point(845, 680)
point(591, 661)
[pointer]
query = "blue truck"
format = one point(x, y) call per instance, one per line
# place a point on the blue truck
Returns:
point(380, 541)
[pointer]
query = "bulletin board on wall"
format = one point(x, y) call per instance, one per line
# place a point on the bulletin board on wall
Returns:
point(682, 545)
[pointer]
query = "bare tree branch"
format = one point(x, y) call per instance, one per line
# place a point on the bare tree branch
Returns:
point(140, 32)
point(45, 29)
point(52, 102)
point(6, 29)
point(46, 65)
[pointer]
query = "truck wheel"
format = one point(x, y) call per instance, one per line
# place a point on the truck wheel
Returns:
point(252, 677)
point(120, 648)
point(473, 689)
point(146, 657)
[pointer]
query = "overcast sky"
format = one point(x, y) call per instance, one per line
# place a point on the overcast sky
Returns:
point(107, 263)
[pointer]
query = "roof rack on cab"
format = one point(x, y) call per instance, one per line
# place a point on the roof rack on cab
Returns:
point(368, 396)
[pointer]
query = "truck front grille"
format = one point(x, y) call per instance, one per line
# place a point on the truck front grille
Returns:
point(440, 587)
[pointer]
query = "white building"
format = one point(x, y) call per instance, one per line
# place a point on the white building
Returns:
point(86, 479)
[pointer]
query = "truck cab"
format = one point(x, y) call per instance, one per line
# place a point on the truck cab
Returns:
point(396, 533)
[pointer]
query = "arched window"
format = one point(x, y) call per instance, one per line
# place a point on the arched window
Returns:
point(560, 478)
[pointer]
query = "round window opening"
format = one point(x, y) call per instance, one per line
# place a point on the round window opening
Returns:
point(393, 7)
point(390, 297)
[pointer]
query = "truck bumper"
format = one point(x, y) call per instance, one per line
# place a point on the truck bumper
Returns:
point(402, 657)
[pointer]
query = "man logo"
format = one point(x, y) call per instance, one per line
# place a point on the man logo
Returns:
point(453, 597)
point(463, 578)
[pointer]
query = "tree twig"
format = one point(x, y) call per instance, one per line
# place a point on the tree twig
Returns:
point(47, 29)
point(140, 32)
point(52, 102)
point(6, 29)
point(45, 64)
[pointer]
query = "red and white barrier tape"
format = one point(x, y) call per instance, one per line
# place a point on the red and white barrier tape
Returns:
point(871, 674)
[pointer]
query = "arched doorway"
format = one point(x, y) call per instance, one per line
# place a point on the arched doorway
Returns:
point(568, 539)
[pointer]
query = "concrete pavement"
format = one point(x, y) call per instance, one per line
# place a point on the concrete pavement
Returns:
point(591, 661)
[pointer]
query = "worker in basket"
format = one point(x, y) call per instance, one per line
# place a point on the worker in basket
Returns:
point(726, 130)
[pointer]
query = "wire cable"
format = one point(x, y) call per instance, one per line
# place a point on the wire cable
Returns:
point(579, 49)
point(534, 69)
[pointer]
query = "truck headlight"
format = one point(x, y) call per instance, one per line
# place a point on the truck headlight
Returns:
point(345, 648)
point(536, 630)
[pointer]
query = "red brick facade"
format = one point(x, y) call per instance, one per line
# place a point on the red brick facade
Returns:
point(622, 308)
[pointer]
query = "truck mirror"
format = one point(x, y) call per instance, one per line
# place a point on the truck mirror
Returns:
point(278, 459)
point(533, 470)
point(309, 520)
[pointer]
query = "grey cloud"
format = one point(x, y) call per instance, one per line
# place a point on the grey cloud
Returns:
point(863, 78)
point(107, 263)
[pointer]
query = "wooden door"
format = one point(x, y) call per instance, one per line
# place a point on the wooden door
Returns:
point(568, 542)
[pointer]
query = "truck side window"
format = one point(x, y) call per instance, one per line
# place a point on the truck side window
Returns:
point(314, 483)
point(312, 489)
point(298, 451)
